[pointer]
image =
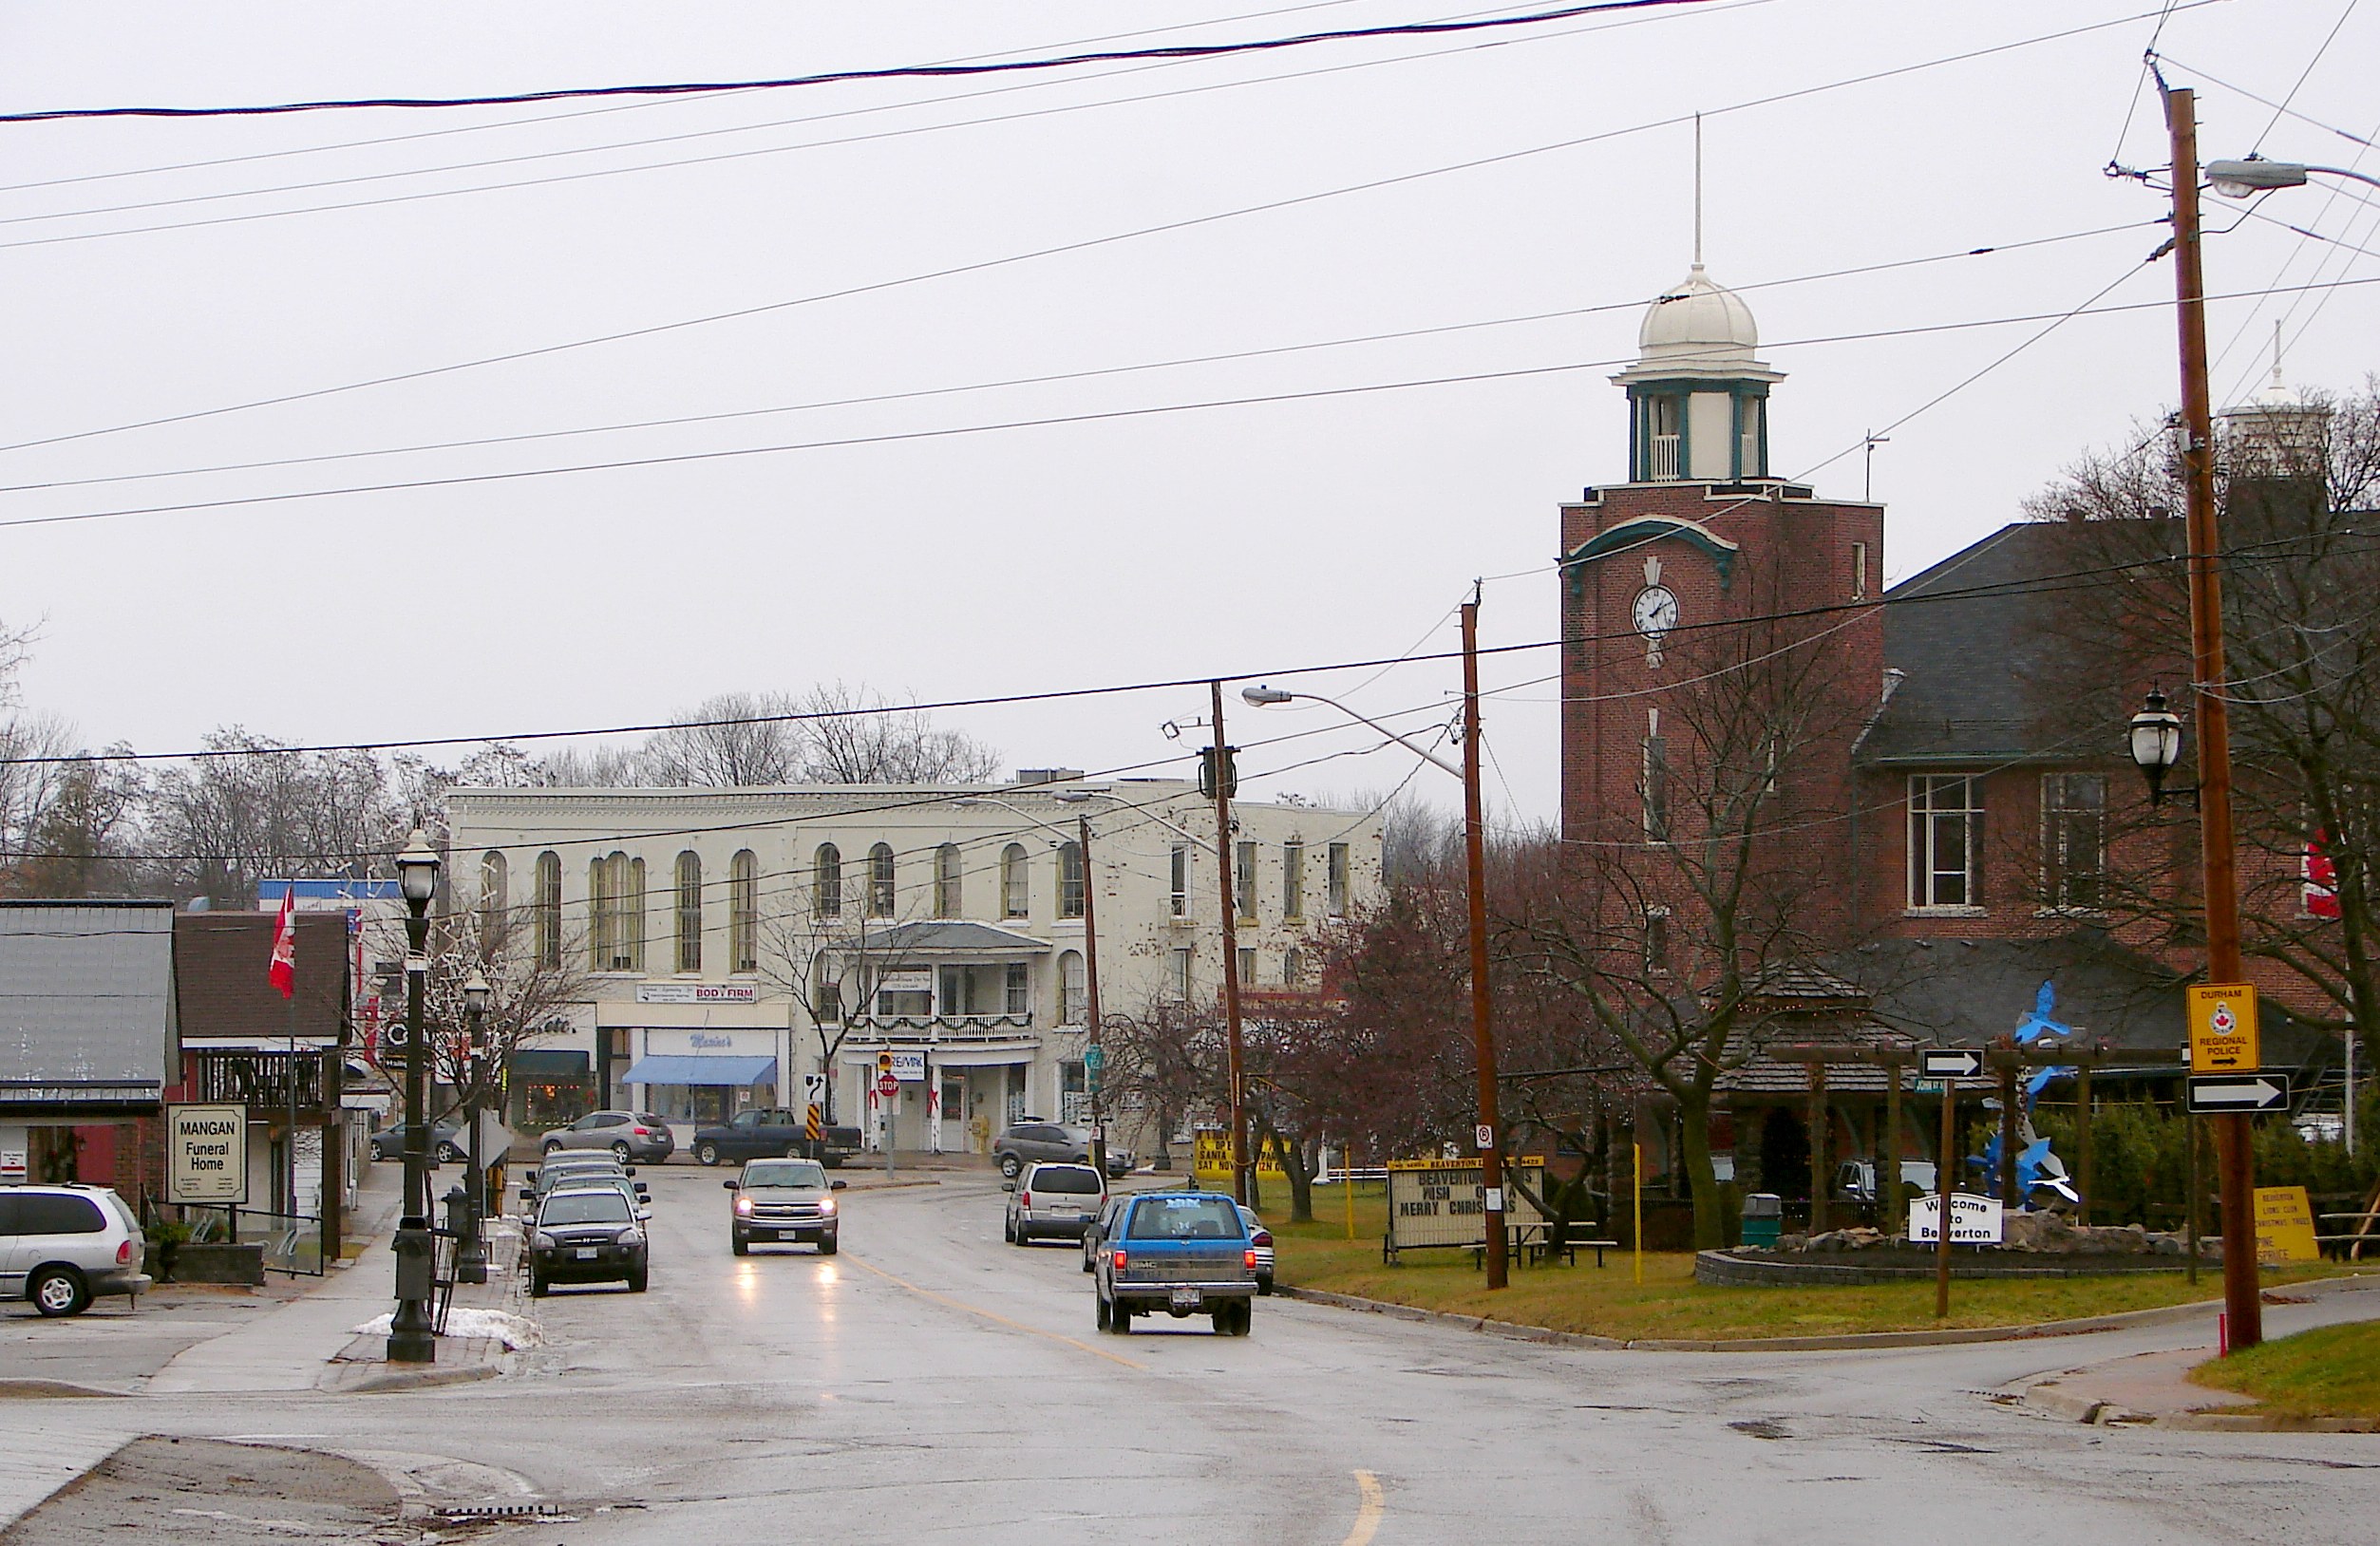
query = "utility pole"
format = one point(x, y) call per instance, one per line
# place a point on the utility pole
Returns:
point(1094, 1055)
point(2234, 1163)
point(1221, 772)
point(1490, 1134)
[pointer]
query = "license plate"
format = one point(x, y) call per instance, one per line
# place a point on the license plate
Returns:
point(585, 1253)
point(764, 1234)
point(1186, 1299)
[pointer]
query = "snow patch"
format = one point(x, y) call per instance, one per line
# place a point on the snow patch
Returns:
point(514, 1332)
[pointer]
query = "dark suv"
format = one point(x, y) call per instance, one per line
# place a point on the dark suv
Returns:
point(587, 1236)
point(1029, 1142)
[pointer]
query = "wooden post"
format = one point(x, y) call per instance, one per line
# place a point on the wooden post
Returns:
point(1819, 1134)
point(2009, 1199)
point(1944, 1167)
point(2081, 1135)
point(1888, 1165)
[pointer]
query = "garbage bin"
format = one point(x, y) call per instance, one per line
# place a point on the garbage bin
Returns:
point(1764, 1220)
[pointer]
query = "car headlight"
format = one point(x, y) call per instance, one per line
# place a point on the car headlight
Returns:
point(542, 1241)
point(827, 1205)
point(744, 1206)
point(631, 1236)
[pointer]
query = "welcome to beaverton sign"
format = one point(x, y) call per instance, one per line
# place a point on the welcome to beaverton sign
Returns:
point(1434, 1202)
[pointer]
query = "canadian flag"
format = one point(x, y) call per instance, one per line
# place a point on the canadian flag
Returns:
point(284, 968)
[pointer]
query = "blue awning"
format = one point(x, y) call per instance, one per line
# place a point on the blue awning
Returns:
point(700, 1068)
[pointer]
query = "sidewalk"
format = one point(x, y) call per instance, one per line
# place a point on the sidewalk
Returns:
point(311, 1342)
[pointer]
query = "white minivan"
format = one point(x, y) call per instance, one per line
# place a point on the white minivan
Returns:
point(61, 1244)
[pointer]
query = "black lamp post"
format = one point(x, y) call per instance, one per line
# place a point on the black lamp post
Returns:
point(410, 1337)
point(471, 1250)
point(2157, 745)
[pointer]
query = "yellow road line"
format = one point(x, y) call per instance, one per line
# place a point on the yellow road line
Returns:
point(1368, 1510)
point(1003, 1320)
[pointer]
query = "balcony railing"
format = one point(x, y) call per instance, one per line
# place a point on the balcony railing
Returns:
point(939, 1028)
point(259, 1079)
point(1664, 468)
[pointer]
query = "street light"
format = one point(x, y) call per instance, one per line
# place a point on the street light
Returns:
point(2255, 175)
point(1489, 1135)
point(471, 1250)
point(2156, 741)
point(410, 1337)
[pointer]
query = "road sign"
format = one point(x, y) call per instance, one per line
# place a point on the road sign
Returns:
point(813, 1123)
point(1484, 1137)
point(1950, 1063)
point(2246, 1092)
point(1973, 1220)
point(909, 1067)
point(2284, 1226)
point(887, 1085)
point(1094, 1055)
point(2223, 1030)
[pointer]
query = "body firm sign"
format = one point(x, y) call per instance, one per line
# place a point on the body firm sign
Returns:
point(1443, 1202)
point(698, 992)
point(206, 1154)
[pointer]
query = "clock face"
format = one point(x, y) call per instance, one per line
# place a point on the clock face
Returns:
point(1655, 612)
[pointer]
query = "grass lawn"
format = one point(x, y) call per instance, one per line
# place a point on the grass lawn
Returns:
point(1609, 1302)
point(2332, 1371)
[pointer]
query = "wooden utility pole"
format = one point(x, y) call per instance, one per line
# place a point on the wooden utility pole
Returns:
point(1094, 1055)
point(2234, 1163)
point(1490, 1134)
point(1946, 1166)
point(1221, 773)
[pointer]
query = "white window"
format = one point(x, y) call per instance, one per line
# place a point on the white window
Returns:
point(743, 911)
point(1245, 880)
point(1338, 880)
point(1178, 973)
point(690, 912)
point(1656, 789)
point(882, 901)
point(495, 882)
point(1181, 899)
point(1020, 989)
point(1859, 571)
point(1070, 879)
point(1074, 990)
point(1015, 888)
point(1293, 882)
point(1292, 967)
point(2074, 839)
point(1945, 841)
point(549, 908)
point(1247, 966)
point(948, 881)
point(826, 881)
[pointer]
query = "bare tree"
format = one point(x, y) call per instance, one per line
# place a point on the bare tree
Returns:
point(1167, 1061)
point(529, 999)
point(83, 839)
point(258, 809)
point(829, 949)
point(729, 740)
point(855, 736)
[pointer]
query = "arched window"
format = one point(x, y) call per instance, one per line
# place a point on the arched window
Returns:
point(633, 915)
point(948, 886)
point(495, 882)
point(826, 881)
point(616, 905)
point(1070, 879)
point(600, 917)
point(689, 910)
point(549, 908)
point(1015, 889)
point(1292, 967)
point(743, 912)
point(1074, 1003)
point(880, 897)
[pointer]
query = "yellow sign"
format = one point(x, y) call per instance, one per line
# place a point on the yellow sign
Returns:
point(2284, 1226)
point(1213, 1158)
point(2222, 1028)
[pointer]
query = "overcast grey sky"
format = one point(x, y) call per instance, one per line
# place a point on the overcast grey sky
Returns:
point(246, 259)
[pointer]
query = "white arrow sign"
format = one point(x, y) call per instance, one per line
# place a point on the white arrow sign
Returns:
point(1943, 1063)
point(2219, 1092)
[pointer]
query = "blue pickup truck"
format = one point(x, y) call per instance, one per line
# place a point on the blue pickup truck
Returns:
point(1184, 1252)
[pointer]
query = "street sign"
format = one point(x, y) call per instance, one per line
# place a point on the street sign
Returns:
point(813, 1123)
point(1973, 1220)
point(1484, 1137)
point(1950, 1063)
point(2284, 1226)
point(909, 1067)
point(1094, 1055)
point(887, 1085)
point(2244, 1092)
point(2223, 1029)
point(206, 1154)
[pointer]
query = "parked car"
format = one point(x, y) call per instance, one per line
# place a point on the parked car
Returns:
point(1052, 1201)
point(588, 1234)
point(630, 1135)
point(773, 1132)
point(60, 1246)
point(1095, 1234)
point(638, 1201)
point(1184, 1253)
point(784, 1199)
point(446, 1142)
point(562, 1170)
point(1261, 1238)
point(1854, 1180)
point(1025, 1142)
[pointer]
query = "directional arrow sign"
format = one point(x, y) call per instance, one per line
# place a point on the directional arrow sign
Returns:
point(1950, 1063)
point(2238, 1092)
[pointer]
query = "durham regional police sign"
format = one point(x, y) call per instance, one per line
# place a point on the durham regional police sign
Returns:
point(206, 1154)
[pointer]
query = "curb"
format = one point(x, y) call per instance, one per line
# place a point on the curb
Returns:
point(412, 1380)
point(52, 1390)
point(2163, 1314)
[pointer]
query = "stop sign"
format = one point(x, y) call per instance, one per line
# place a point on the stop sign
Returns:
point(887, 1085)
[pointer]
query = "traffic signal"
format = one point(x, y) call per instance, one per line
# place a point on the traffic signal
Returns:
point(884, 1061)
point(1231, 772)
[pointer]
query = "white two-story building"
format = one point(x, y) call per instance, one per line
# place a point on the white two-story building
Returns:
point(748, 947)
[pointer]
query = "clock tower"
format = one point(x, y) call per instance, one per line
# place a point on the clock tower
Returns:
point(1702, 581)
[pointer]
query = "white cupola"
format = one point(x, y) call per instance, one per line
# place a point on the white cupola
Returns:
point(1697, 397)
point(2278, 433)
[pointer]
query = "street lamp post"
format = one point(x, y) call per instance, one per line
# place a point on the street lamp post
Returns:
point(471, 1250)
point(410, 1337)
point(1490, 1130)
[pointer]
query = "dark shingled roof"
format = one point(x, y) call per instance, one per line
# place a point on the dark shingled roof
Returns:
point(935, 939)
point(221, 961)
point(1967, 661)
point(1766, 1074)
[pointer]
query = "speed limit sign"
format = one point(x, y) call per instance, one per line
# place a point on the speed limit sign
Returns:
point(1485, 1136)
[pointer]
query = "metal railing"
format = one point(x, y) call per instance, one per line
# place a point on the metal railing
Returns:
point(939, 1028)
point(293, 1243)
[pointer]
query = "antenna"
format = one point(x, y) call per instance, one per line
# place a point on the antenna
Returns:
point(2277, 352)
point(1698, 190)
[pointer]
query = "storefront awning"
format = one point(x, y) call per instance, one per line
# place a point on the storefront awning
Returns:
point(549, 1064)
point(700, 1068)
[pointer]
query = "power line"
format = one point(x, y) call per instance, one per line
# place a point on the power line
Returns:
point(679, 422)
point(1085, 244)
point(1095, 416)
point(895, 72)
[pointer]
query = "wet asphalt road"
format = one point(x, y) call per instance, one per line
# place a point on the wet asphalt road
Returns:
point(934, 1383)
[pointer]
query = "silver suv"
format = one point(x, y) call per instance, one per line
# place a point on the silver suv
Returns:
point(1053, 1202)
point(60, 1245)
